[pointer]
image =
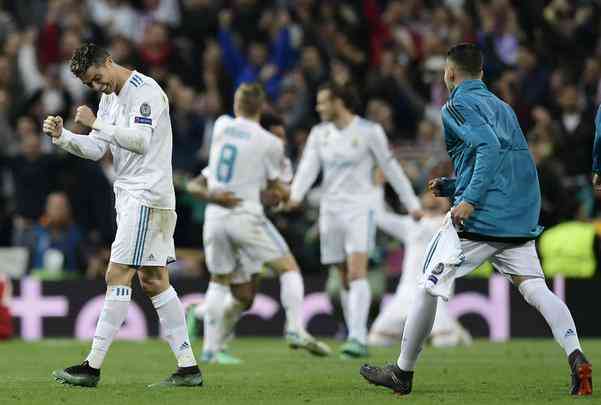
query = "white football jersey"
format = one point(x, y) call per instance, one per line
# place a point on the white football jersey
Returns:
point(148, 177)
point(348, 158)
point(243, 157)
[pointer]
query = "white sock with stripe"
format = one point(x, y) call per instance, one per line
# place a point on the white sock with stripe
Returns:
point(292, 293)
point(417, 328)
point(345, 309)
point(359, 300)
point(555, 312)
point(232, 311)
point(173, 320)
point(215, 296)
point(114, 312)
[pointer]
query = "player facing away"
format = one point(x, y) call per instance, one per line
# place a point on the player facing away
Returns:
point(238, 237)
point(348, 148)
point(133, 122)
point(496, 206)
point(387, 328)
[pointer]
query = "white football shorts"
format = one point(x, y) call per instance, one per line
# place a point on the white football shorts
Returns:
point(144, 235)
point(509, 259)
point(344, 231)
point(241, 241)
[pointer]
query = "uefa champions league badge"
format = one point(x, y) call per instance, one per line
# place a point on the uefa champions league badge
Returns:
point(145, 109)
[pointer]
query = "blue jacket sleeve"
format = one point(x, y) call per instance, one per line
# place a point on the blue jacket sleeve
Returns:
point(597, 143)
point(472, 128)
point(233, 60)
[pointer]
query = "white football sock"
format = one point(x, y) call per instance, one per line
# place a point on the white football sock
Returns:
point(344, 305)
point(292, 294)
point(359, 302)
point(232, 311)
point(391, 319)
point(554, 310)
point(111, 318)
point(200, 309)
point(173, 320)
point(417, 328)
point(443, 322)
point(214, 298)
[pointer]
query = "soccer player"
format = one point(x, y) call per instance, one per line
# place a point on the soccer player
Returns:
point(238, 238)
point(348, 148)
point(388, 326)
point(496, 206)
point(133, 122)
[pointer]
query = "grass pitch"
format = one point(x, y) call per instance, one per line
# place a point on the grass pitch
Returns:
point(520, 372)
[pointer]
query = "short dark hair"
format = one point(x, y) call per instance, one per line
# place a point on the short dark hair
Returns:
point(467, 57)
point(269, 120)
point(86, 56)
point(344, 92)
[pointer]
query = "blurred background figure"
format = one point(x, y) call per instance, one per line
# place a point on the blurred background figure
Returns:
point(56, 241)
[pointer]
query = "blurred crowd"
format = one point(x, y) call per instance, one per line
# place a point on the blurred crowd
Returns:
point(541, 56)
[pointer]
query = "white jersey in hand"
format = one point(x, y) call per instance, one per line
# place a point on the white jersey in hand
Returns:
point(147, 177)
point(348, 158)
point(243, 157)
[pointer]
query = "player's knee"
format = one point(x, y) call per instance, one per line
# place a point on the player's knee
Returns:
point(246, 298)
point(117, 275)
point(530, 288)
point(151, 285)
point(245, 294)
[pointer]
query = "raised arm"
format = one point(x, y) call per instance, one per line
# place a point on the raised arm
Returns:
point(84, 146)
point(148, 105)
point(308, 170)
point(393, 172)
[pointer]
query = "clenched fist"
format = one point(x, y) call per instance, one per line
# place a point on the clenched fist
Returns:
point(53, 126)
point(85, 116)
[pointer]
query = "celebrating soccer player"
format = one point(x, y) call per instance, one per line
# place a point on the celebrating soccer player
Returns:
point(133, 122)
point(348, 148)
point(496, 206)
point(238, 237)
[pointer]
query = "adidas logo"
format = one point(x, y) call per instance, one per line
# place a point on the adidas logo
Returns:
point(569, 332)
point(151, 257)
point(184, 346)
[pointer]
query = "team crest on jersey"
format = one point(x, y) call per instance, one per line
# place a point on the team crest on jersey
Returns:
point(438, 269)
point(145, 109)
point(355, 142)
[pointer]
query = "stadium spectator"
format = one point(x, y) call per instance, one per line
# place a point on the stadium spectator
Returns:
point(33, 177)
point(57, 242)
point(389, 50)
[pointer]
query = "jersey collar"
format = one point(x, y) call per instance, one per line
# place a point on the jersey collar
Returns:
point(129, 83)
point(468, 85)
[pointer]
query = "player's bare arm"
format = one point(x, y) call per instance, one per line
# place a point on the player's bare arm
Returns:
point(275, 193)
point(198, 188)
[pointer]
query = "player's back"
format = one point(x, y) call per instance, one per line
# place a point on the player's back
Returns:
point(511, 205)
point(243, 158)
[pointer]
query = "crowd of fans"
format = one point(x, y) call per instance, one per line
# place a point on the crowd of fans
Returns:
point(541, 56)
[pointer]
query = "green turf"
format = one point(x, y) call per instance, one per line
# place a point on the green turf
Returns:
point(520, 372)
